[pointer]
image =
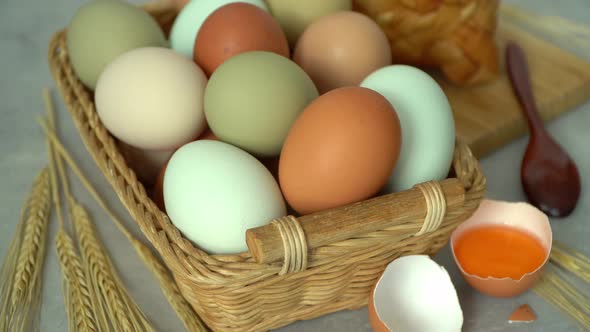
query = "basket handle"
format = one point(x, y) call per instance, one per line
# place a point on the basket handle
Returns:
point(291, 238)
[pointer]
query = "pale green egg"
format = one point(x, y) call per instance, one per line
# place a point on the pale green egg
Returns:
point(101, 30)
point(214, 192)
point(426, 118)
point(253, 99)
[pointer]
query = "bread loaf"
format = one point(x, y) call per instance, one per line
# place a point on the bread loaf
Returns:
point(455, 36)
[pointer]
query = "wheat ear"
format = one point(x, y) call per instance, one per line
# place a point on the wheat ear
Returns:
point(125, 314)
point(7, 274)
point(113, 300)
point(77, 296)
point(169, 288)
point(19, 308)
point(81, 305)
point(26, 287)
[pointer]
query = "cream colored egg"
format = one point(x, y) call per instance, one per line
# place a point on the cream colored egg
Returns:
point(152, 98)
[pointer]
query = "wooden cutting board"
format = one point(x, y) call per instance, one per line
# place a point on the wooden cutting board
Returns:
point(489, 116)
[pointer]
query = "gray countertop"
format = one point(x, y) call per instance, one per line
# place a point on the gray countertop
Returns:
point(25, 29)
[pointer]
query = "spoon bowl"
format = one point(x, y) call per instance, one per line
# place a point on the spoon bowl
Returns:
point(549, 177)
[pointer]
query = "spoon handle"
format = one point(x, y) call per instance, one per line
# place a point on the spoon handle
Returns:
point(518, 73)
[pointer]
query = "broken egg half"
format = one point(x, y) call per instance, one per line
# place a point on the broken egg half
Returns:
point(502, 248)
point(415, 294)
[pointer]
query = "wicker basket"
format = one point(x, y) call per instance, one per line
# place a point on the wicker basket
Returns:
point(233, 292)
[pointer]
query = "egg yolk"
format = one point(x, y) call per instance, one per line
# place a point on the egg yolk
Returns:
point(498, 251)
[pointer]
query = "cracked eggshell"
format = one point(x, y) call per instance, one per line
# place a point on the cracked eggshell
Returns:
point(520, 215)
point(415, 294)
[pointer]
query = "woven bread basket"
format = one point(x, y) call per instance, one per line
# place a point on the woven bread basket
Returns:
point(233, 292)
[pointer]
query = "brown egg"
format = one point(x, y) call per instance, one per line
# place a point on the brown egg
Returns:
point(341, 49)
point(237, 28)
point(145, 163)
point(272, 164)
point(340, 150)
point(208, 134)
point(158, 190)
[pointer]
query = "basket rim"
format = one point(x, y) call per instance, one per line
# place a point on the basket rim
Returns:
point(181, 255)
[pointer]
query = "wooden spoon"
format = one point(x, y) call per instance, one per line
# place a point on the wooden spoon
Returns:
point(549, 177)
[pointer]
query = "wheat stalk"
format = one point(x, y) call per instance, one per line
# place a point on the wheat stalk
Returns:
point(25, 297)
point(559, 28)
point(111, 298)
point(81, 307)
point(83, 310)
point(7, 274)
point(169, 288)
point(125, 314)
point(556, 290)
point(571, 260)
point(12, 311)
point(78, 299)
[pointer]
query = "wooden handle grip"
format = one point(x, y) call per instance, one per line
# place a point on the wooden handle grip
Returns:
point(518, 73)
point(266, 245)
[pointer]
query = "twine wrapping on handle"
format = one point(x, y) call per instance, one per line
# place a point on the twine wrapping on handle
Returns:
point(294, 244)
point(436, 206)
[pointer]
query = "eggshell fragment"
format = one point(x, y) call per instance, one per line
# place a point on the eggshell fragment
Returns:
point(415, 294)
point(520, 215)
point(523, 314)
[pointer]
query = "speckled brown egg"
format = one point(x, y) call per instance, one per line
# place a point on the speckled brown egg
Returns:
point(340, 150)
point(237, 28)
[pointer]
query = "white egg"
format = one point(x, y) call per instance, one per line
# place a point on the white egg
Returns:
point(214, 192)
point(426, 118)
point(415, 294)
point(188, 22)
